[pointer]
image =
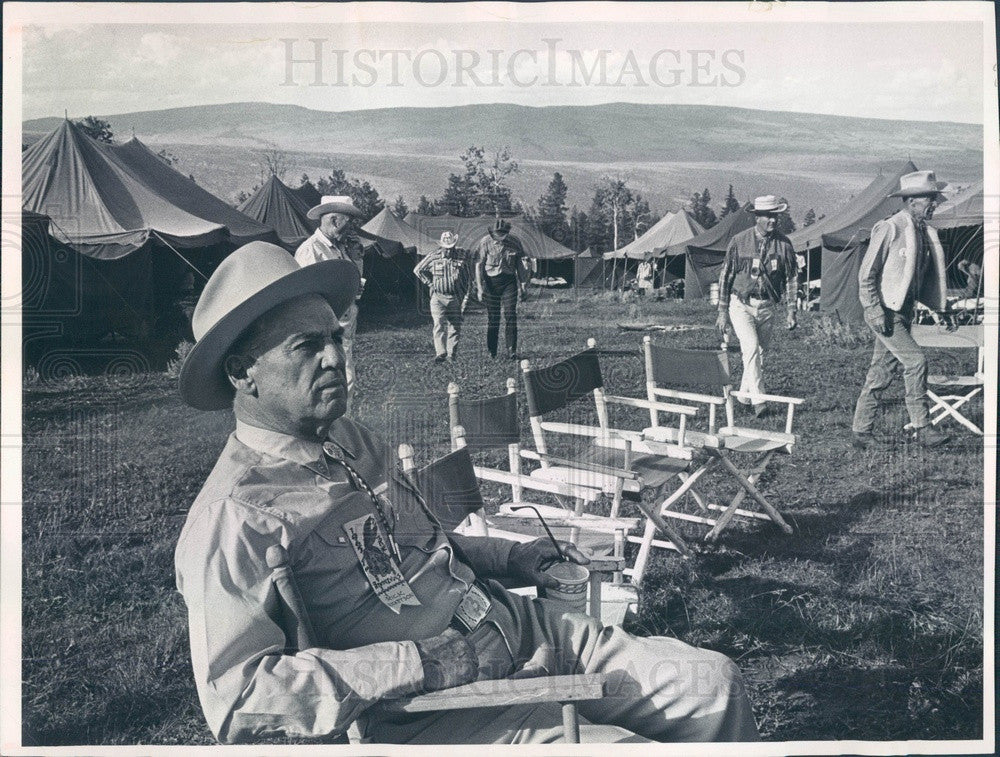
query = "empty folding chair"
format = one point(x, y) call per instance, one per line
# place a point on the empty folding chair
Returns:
point(962, 388)
point(674, 373)
point(618, 461)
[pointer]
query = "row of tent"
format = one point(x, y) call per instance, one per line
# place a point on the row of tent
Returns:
point(831, 249)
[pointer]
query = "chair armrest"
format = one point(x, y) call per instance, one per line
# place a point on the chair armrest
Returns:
point(708, 399)
point(536, 484)
point(605, 470)
point(665, 407)
point(503, 692)
point(768, 397)
point(576, 429)
point(755, 433)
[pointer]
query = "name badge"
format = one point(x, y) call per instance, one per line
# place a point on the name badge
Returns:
point(473, 608)
point(774, 265)
point(376, 557)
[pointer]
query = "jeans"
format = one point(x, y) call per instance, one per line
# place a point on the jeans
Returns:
point(891, 351)
point(753, 325)
point(497, 291)
point(446, 310)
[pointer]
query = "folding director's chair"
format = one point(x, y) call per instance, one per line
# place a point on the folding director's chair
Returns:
point(963, 388)
point(618, 461)
point(672, 372)
point(567, 690)
point(484, 425)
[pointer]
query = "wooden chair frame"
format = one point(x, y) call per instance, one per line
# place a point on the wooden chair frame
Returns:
point(719, 443)
point(963, 388)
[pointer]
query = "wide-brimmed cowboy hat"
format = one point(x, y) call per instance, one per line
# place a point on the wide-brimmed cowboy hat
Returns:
point(448, 239)
point(334, 204)
point(500, 227)
point(248, 283)
point(766, 205)
point(919, 184)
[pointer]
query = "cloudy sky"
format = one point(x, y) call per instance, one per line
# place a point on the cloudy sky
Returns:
point(913, 70)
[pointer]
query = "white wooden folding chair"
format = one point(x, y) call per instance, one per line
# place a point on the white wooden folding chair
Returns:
point(619, 461)
point(672, 373)
point(961, 388)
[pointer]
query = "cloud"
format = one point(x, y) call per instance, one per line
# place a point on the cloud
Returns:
point(160, 48)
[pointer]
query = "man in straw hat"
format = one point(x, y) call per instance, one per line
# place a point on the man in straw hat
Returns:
point(447, 272)
point(759, 271)
point(318, 585)
point(335, 240)
point(904, 263)
point(501, 277)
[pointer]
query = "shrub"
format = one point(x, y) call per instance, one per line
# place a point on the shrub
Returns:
point(174, 366)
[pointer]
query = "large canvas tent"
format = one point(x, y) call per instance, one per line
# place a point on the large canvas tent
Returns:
point(960, 224)
point(308, 194)
point(276, 205)
point(704, 253)
point(672, 229)
point(134, 251)
point(187, 195)
point(591, 271)
point(388, 226)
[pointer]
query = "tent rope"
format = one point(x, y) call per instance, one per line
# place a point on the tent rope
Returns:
point(172, 249)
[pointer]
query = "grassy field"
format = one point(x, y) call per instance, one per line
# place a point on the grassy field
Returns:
point(866, 624)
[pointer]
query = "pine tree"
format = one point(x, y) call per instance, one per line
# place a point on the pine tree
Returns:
point(731, 205)
point(785, 224)
point(426, 207)
point(95, 128)
point(551, 218)
point(698, 206)
point(364, 195)
point(810, 218)
point(399, 207)
point(459, 197)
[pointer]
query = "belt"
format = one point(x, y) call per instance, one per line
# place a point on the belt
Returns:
point(472, 610)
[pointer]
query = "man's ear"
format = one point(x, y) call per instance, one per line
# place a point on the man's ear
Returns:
point(238, 371)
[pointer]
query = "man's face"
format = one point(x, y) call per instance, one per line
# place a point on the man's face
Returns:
point(332, 224)
point(298, 367)
point(922, 208)
point(766, 223)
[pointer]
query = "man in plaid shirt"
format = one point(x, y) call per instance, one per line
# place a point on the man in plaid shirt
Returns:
point(447, 272)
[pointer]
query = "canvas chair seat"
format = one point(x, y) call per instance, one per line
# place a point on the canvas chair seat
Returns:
point(654, 470)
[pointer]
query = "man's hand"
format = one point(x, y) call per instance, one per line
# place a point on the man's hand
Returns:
point(875, 318)
point(948, 322)
point(527, 560)
point(522, 292)
point(448, 659)
point(722, 322)
point(792, 321)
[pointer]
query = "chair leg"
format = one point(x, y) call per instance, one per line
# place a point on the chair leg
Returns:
point(571, 723)
point(656, 519)
point(944, 408)
point(752, 491)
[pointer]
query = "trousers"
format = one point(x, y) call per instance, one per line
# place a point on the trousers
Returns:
point(500, 291)
point(892, 351)
point(659, 689)
point(754, 325)
point(446, 311)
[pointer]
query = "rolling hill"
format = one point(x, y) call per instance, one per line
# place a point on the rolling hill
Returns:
point(667, 151)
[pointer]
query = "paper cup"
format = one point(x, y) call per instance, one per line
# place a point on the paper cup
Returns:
point(572, 589)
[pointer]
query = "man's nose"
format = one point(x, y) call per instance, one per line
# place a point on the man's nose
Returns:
point(333, 355)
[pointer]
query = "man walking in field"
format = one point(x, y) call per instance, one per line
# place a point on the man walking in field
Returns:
point(501, 277)
point(335, 240)
point(319, 587)
point(904, 264)
point(447, 272)
point(759, 270)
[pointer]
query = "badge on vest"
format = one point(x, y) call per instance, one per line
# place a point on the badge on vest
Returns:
point(376, 558)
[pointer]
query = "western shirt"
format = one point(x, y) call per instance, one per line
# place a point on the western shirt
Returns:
point(499, 257)
point(320, 247)
point(446, 271)
point(774, 260)
point(272, 489)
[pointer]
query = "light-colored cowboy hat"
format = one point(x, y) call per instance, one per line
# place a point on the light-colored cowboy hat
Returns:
point(768, 205)
point(918, 184)
point(249, 282)
point(448, 239)
point(334, 204)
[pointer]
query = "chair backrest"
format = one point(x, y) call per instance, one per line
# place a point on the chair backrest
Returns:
point(676, 366)
point(555, 386)
point(488, 423)
point(450, 488)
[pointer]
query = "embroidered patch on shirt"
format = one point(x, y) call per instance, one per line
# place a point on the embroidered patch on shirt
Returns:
point(376, 558)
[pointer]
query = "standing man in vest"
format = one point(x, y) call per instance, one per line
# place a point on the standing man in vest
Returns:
point(759, 269)
point(335, 240)
point(501, 276)
point(904, 263)
point(447, 272)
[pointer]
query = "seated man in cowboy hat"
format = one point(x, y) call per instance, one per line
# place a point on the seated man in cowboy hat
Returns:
point(501, 277)
point(759, 271)
point(335, 240)
point(384, 603)
point(447, 272)
point(904, 264)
